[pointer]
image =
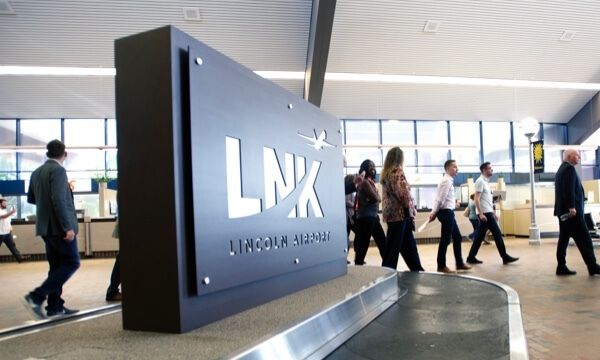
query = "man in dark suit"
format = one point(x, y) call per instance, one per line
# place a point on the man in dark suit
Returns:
point(56, 223)
point(568, 207)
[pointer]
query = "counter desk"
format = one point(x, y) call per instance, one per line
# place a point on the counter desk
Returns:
point(94, 238)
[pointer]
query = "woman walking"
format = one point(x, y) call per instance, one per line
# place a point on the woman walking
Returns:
point(399, 213)
point(367, 218)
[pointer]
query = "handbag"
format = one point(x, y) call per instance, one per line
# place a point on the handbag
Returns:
point(467, 212)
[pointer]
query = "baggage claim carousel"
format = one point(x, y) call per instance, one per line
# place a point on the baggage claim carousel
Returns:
point(392, 315)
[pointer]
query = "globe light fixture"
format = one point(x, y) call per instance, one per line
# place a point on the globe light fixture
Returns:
point(530, 127)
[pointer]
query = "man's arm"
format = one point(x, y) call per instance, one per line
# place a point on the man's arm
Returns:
point(62, 201)
point(30, 193)
point(442, 192)
point(478, 206)
point(366, 187)
point(568, 188)
point(8, 214)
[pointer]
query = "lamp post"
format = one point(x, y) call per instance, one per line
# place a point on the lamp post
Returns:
point(530, 127)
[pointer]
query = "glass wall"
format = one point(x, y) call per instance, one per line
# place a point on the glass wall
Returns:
point(496, 141)
point(554, 134)
point(83, 162)
point(8, 160)
point(428, 144)
point(400, 133)
point(431, 160)
point(467, 136)
point(362, 132)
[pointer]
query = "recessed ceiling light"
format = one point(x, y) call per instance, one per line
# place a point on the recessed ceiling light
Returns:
point(191, 14)
point(567, 35)
point(432, 26)
point(5, 8)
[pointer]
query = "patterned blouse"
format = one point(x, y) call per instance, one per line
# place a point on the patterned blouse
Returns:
point(397, 201)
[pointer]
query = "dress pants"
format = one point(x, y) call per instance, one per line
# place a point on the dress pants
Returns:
point(115, 278)
point(10, 244)
point(400, 239)
point(367, 226)
point(492, 225)
point(450, 233)
point(63, 258)
point(576, 228)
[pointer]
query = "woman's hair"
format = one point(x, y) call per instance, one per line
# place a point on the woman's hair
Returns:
point(472, 197)
point(393, 159)
point(348, 178)
point(364, 166)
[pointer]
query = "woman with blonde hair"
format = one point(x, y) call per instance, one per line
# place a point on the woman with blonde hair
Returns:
point(399, 213)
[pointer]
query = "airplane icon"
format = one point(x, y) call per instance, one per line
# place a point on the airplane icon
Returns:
point(317, 142)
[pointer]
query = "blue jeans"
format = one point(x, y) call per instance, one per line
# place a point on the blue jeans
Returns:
point(475, 223)
point(492, 225)
point(450, 233)
point(63, 258)
point(10, 244)
point(400, 239)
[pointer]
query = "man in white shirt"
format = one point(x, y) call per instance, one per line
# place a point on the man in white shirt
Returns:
point(443, 209)
point(487, 217)
point(6, 231)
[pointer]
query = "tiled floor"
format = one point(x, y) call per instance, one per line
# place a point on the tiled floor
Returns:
point(561, 314)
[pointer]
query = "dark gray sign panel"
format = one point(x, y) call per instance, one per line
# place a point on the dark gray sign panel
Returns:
point(272, 192)
point(250, 185)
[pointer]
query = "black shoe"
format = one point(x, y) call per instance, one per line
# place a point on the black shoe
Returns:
point(563, 270)
point(34, 308)
point(473, 260)
point(62, 312)
point(595, 272)
point(114, 297)
point(23, 258)
point(509, 259)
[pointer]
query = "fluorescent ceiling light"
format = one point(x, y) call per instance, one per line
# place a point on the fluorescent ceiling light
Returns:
point(451, 80)
point(299, 75)
point(56, 71)
point(434, 80)
point(281, 75)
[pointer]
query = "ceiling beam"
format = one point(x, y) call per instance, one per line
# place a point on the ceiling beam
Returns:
point(321, 25)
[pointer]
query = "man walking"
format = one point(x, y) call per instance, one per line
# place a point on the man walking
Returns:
point(487, 217)
point(6, 231)
point(568, 201)
point(443, 209)
point(56, 223)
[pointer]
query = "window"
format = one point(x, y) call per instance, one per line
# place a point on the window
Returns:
point(496, 145)
point(395, 132)
point(362, 132)
point(81, 164)
point(554, 134)
point(432, 133)
point(8, 160)
point(466, 134)
point(37, 133)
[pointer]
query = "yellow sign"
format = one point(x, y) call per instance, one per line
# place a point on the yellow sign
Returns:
point(538, 156)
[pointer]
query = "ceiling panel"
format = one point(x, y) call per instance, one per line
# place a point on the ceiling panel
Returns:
point(449, 102)
point(483, 39)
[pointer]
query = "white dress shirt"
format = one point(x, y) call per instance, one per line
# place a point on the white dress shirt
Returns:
point(445, 195)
